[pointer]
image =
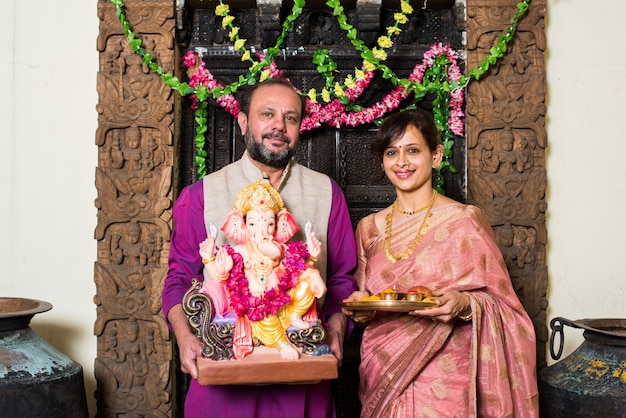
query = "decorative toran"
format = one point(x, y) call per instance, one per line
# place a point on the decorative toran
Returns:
point(438, 74)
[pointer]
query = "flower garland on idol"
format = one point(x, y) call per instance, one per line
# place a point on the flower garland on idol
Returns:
point(336, 104)
point(256, 308)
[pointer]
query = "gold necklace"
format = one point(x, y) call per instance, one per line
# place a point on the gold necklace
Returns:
point(420, 233)
point(262, 265)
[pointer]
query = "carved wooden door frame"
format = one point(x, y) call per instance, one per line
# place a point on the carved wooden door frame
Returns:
point(137, 127)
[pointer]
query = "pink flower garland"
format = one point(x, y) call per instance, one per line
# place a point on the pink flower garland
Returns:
point(270, 302)
point(457, 97)
point(335, 113)
point(203, 77)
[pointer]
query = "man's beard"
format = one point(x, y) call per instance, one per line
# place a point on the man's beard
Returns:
point(259, 153)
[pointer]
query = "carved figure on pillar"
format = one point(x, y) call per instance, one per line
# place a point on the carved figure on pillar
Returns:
point(136, 81)
point(132, 251)
point(516, 244)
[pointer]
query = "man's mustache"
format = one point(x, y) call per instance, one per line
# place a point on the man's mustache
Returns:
point(276, 135)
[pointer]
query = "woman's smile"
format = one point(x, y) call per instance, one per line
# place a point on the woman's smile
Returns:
point(404, 174)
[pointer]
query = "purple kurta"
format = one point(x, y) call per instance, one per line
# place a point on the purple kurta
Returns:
point(185, 264)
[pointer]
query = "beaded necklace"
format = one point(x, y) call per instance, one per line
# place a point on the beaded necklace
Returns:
point(420, 233)
point(410, 213)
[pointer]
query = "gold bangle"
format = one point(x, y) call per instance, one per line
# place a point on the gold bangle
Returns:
point(222, 278)
point(312, 259)
point(208, 260)
point(467, 317)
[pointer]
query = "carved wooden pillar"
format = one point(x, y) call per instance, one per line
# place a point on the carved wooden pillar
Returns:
point(133, 178)
point(506, 142)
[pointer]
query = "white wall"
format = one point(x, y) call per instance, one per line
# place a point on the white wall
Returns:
point(586, 141)
point(48, 66)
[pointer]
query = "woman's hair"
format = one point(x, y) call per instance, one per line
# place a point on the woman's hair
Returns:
point(245, 94)
point(395, 125)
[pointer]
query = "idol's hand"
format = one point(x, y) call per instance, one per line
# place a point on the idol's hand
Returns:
point(313, 245)
point(223, 263)
point(207, 248)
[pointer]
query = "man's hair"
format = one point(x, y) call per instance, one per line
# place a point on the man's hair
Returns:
point(245, 94)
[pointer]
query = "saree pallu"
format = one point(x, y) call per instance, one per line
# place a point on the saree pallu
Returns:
point(415, 367)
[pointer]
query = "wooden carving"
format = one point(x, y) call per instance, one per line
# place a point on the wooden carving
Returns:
point(133, 178)
point(137, 137)
point(506, 141)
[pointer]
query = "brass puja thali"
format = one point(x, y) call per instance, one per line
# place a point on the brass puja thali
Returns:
point(388, 305)
point(389, 300)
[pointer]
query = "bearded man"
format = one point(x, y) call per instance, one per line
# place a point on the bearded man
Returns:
point(270, 118)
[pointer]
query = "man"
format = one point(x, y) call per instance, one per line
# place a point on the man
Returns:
point(270, 118)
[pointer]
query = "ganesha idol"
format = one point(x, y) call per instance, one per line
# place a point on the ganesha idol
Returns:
point(263, 290)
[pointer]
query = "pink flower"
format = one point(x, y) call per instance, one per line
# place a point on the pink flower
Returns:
point(189, 59)
point(270, 302)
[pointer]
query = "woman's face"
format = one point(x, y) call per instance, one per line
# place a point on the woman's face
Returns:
point(408, 161)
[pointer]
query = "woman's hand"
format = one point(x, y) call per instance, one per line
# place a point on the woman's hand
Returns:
point(450, 304)
point(359, 317)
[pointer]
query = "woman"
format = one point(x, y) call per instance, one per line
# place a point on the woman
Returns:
point(473, 353)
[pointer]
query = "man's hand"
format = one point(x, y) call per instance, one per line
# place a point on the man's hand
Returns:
point(189, 346)
point(335, 334)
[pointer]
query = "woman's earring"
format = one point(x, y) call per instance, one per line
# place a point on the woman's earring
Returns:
point(435, 165)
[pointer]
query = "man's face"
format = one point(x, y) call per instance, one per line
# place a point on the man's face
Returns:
point(272, 128)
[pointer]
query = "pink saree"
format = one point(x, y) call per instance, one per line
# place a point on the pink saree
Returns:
point(414, 367)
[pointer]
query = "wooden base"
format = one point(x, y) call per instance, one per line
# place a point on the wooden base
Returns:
point(265, 366)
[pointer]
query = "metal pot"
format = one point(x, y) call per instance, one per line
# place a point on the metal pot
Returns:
point(590, 382)
point(36, 380)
